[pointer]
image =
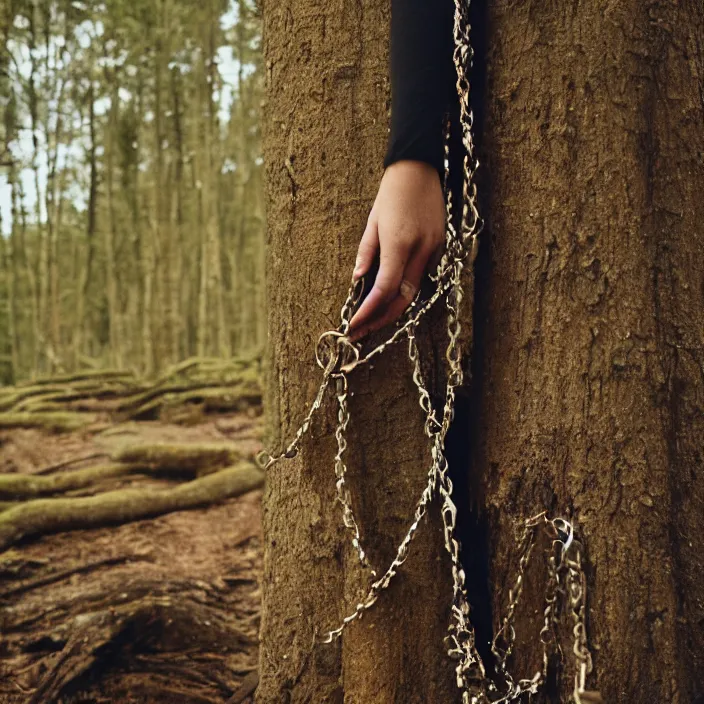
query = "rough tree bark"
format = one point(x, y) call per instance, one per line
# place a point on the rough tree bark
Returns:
point(591, 310)
point(593, 393)
point(325, 134)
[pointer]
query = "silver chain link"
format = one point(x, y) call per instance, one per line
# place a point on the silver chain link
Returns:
point(338, 356)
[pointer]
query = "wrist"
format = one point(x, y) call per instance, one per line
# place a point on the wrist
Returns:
point(415, 167)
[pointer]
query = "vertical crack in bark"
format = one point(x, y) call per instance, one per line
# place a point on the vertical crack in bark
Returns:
point(464, 439)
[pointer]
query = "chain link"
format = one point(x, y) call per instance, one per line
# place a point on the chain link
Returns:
point(337, 356)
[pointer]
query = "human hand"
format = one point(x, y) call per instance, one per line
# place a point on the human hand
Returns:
point(407, 226)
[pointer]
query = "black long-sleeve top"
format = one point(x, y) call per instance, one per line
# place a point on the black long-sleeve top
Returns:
point(422, 79)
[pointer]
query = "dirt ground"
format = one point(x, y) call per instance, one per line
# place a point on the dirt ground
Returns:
point(163, 610)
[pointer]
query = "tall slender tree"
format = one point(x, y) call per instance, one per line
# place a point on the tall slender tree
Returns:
point(129, 191)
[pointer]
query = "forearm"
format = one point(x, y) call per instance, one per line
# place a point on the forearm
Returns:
point(422, 75)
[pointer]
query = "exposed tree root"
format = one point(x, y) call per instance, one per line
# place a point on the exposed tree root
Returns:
point(102, 636)
point(12, 396)
point(88, 375)
point(156, 459)
point(59, 576)
point(27, 486)
point(130, 612)
point(68, 396)
point(42, 516)
point(213, 397)
point(20, 397)
point(185, 457)
point(67, 463)
point(55, 422)
point(246, 689)
point(208, 385)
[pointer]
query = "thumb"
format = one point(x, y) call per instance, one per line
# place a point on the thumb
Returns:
point(368, 246)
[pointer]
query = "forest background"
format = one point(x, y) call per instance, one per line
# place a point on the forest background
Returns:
point(130, 184)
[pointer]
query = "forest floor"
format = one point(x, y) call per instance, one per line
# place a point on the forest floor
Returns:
point(162, 609)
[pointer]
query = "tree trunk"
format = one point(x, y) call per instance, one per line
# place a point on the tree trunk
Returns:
point(7, 369)
point(177, 269)
point(28, 349)
point(260, 302)
point(201, 166)
point(165, 246)
point(240, 274)
point(115, 340)
point(322, 176)
point(141, 305)
point(55, 211)
point(220, 343)
point(56, 352)
point(592, 398)
point(588, 360)
point(41, 264)
point(82, 331)
point(148, 257)
point(14, 268)
point(54, 191)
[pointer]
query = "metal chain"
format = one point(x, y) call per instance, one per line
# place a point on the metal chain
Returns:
point(548, 633)
point(337, 356)
point(343, 493)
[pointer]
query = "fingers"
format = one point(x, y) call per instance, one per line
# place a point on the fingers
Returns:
point(404, 294)
point(392, 262)
point(368, 246)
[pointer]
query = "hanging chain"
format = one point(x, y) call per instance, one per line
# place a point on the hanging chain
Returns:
point(338, 356)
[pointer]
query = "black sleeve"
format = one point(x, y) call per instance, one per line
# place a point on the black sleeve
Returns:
point(422, 79)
